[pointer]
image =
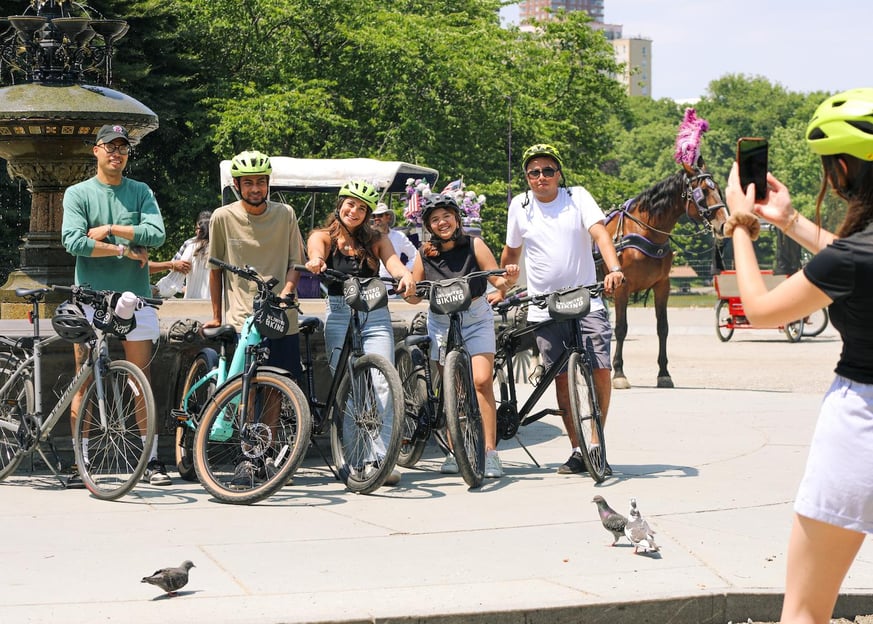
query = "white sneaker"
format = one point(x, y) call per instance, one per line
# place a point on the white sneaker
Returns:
point(493, 468)
point(450, 465)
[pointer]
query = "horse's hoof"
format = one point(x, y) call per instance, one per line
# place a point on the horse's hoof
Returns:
point(621, 383)
point(665, 382)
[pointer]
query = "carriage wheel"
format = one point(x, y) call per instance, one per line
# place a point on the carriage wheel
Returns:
point(794, 331)
point(815, 323)
point(723, 320)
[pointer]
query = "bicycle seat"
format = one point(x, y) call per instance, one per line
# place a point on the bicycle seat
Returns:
point(31, 293)
point(309, 324)
point(222, 332)
point(416, 340)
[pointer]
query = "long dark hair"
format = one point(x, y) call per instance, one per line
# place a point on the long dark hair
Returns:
point(365, 236)
point(854, 183)
point(201, 236)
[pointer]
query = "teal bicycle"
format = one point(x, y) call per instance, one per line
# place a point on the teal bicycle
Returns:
point(241, 412)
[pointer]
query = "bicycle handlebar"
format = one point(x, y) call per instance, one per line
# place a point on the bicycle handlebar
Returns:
point(90, 296)
point(541, 301)
point(265, 287)
point(423, 288)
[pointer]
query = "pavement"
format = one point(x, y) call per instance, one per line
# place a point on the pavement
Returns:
point(713, 463)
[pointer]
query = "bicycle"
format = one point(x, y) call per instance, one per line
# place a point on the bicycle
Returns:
point(244, 412)
point(117, 415)
point(456, 406)
point(364, 402)
point(565, 306)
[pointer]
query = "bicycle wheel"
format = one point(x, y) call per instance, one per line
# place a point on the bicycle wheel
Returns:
point(794, 331)
point(245, 453)
point(365, 428)
point(192, 404)
point(463, 419)
point(723, 320)
point(585, 414)
point(117, 452)
point(16, 399)
point(815, 323)
point(414, 432)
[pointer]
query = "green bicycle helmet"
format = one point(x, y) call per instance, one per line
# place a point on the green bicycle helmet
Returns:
point(843, 124)
point(250, 163)
point(364, 191)
point(541, 149)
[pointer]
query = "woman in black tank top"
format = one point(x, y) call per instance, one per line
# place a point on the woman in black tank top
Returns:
point(451, 253)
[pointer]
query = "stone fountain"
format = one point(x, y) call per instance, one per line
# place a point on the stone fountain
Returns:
point(56, 68)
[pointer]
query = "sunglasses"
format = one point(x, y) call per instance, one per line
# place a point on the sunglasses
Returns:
point(548, 172)
point(111, 148)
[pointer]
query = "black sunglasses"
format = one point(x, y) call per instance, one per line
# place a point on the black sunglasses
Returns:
point(548, 172)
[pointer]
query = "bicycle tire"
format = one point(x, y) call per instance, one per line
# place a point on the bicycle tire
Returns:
point(507, 417)
point(192, 405)
point(815, 323)
point(585, 415)
point(414, 432)
point(16, 400)
point(794, 331)
point(274, 452)
point(722, 318)
point(117, 456)
point(359, 419)
point(463, 419)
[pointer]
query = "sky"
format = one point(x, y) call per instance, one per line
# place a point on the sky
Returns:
point(803, 45)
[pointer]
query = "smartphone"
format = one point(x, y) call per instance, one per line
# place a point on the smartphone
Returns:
point(752, 159)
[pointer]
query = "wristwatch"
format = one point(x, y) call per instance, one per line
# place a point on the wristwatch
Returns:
point(121, 251)
point(615, 269)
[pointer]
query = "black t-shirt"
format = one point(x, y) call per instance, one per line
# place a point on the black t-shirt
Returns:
point(353, 265)
point(458, 261)
point(844, 272)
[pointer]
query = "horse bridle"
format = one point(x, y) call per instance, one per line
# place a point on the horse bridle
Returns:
point(693, 193)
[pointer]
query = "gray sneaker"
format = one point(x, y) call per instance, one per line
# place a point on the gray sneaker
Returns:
point(450, 465)
point(493, 467)
point(156, 473)
point(243, 476)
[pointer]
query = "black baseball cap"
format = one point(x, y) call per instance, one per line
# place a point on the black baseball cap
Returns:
point(109, 133)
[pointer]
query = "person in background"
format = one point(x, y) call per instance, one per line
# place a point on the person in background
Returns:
point(109, 223)
point(348, 243)
point(452, 253)
point(833, 510)
point(383, 222)
point(263, 234)
point(190, 264)
point(556, 228)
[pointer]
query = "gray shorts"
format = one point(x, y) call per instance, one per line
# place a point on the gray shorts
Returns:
point(553, 338)
point(477, 329)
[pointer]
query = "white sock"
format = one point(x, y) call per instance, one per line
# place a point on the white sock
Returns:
point(577, 449)
point(154, 453)
point(85, 450)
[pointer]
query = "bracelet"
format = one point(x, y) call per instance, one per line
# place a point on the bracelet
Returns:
point(172, 265)
point(110, 229)
point(615, 269)
point(792, 222)
point(745, 219)
point(121, 251)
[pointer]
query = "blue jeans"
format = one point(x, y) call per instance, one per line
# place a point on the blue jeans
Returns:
point(378, 337)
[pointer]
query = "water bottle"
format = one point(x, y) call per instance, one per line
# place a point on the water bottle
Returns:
point(126, 305)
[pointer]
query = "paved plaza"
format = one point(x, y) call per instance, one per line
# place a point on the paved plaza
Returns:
point(713, 464)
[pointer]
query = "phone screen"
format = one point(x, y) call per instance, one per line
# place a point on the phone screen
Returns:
point(752, 159)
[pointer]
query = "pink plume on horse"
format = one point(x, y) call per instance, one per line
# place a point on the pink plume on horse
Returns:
point(688, 139)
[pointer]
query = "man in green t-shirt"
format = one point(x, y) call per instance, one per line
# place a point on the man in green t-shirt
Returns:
point(109, 224)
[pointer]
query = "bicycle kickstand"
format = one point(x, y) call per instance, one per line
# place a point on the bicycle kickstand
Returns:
point(326, 460)
point(525, 449)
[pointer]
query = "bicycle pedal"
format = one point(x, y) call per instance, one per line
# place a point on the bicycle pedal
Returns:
point(180, 416)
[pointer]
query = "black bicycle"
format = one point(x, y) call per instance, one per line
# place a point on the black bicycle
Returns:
point(565, 306)
point(364, 403)
point(456, 407)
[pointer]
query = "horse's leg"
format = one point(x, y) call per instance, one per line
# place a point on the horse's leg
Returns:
point(662, 293)
point(619, 381)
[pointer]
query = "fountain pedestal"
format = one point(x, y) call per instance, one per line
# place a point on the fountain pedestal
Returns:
point(46, 136)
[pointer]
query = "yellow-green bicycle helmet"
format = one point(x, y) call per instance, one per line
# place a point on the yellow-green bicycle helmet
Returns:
point(843, 124)
point(364, 191)
point(541, 149)
point(249, 164)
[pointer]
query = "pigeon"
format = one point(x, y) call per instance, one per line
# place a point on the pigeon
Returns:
point(638, 530)
point(170, 579)
point(612, 521)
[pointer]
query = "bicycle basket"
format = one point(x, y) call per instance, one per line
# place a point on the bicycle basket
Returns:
point(365, 294)
point(108, 321)
point(270, 320)
point(450, 296)
point(572, 303)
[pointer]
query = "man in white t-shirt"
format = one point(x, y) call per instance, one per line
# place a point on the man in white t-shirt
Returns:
point(556, 227)
point(383, 220)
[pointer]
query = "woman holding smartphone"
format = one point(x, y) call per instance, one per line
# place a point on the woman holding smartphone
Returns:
point(834, 504)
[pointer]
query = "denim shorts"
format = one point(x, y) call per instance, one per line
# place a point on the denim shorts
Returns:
point(553, 338)
point(376, 330)
point(477, 329)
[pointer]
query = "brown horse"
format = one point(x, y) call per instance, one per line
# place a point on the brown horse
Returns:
point(641, 233)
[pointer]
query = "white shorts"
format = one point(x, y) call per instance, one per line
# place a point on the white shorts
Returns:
point(147, 327)
point(837, 486)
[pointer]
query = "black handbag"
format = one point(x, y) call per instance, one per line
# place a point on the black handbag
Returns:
point(568, 304)
point(365, 294)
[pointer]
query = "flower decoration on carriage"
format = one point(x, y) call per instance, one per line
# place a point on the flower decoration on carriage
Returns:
point(691, 130)
point(416, 189)
point(469, 202)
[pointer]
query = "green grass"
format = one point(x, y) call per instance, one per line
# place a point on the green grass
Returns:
point(693, 300)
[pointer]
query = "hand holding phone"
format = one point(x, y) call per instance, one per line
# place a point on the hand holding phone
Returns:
point(753, 165)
